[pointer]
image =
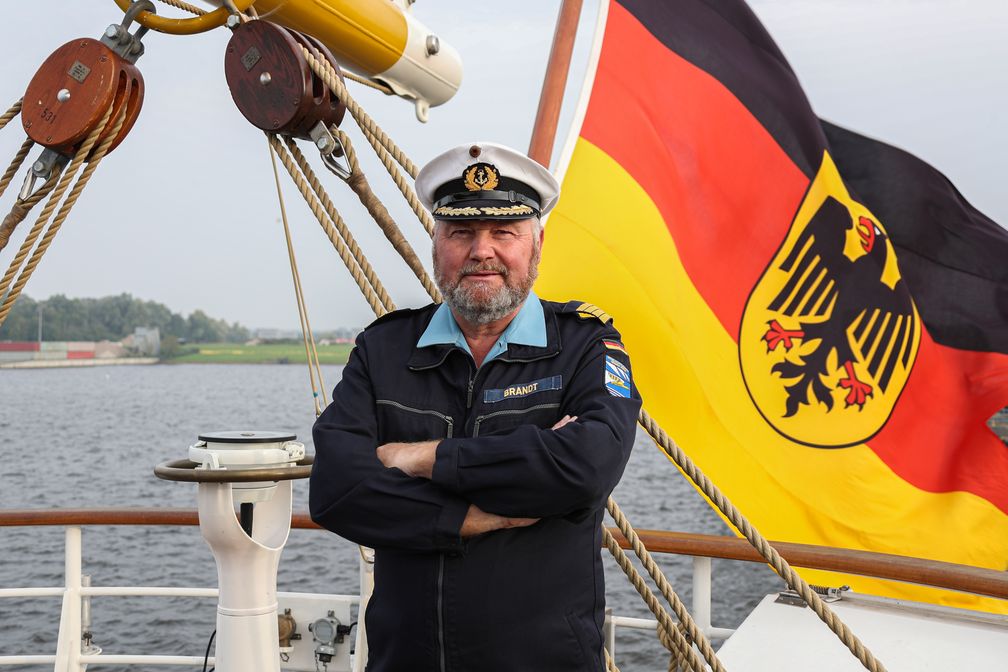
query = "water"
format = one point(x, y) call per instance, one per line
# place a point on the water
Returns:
point(90, 437)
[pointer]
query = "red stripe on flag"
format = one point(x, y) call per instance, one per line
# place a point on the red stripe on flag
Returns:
point(724, 187)
point(937, 436)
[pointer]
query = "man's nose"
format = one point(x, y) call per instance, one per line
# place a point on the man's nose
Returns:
point(482, 246)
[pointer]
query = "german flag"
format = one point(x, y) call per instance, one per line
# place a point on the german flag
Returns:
point(816, 317)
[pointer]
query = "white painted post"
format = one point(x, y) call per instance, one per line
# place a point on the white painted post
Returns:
point(367, 559)
point(609, 633)
point(702, 593)
point(68, 643)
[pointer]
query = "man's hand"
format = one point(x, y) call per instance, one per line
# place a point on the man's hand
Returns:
point(478, 521)
point(414, 459)
point(563, 421)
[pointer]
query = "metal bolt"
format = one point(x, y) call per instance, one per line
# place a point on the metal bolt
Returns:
point(38, 166)
point(27, 124)
point(322, 142)
point(111, 32)
point(63, 95)
point(48, 138)
point(233, 21)
point(433, 45)
point(265, 78)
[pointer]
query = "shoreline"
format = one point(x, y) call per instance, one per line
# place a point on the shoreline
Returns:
point(76, 363)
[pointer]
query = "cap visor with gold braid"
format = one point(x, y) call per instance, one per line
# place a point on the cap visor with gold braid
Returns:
point(486, 181)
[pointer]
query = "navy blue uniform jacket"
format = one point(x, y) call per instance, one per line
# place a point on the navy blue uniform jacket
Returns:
point(520, 599)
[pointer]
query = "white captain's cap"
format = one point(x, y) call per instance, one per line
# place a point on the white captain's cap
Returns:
point(484, 180)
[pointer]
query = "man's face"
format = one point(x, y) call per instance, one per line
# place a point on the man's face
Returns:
point(486, 268)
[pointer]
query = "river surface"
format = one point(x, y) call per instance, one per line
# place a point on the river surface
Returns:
point(90, 437)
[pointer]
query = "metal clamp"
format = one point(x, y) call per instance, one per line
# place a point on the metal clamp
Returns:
point(118, 38)
point(49, 164)
point(330, 150)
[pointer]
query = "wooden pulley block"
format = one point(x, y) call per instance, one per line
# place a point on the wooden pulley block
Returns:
point(69, 95)
point(273, 85)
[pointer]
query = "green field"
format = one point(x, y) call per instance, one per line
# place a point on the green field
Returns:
point(265, 353)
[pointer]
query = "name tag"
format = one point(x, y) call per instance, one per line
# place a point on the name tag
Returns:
point(523, 389)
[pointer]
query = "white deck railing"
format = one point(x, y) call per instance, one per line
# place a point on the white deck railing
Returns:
point(71, 656)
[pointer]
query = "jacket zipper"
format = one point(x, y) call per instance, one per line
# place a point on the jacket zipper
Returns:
point(440, 613)
point(481, 418)
point(447, 418)
point(441, 557)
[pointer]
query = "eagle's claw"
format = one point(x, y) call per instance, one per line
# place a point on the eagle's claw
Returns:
point(858, 392)
point(777, 334)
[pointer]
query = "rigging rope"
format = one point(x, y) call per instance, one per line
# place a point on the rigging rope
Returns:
point(11, 112)
point(383, 145)
point(11, 293)
point(679, 644)
point(374, 294)
point(676, 455)
point(19, 211)
point(384, 88)
point(359, 184)
point(21, 207)
point(311, 354)
point(192, 9)
point(340, 225)
point(694, 632)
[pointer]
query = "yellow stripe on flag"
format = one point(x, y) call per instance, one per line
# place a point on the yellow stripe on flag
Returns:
point(606, 243)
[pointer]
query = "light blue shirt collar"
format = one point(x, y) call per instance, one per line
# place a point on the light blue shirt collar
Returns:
point(527, 328)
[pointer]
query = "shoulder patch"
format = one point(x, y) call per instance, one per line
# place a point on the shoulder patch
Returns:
point(616, 378)
point(587, 311)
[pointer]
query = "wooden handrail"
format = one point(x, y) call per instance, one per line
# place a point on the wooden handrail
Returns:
point(980, 581)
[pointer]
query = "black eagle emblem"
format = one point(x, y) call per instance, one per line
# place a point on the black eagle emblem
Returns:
point(844, 311)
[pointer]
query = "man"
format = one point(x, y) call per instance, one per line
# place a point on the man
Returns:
point(473, 444)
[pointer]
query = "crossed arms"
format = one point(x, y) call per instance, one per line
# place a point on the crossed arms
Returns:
point(430, 495)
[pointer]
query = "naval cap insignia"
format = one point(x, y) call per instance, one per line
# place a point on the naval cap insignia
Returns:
point(480, 177)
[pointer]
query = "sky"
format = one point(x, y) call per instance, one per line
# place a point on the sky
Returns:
point(185, 211)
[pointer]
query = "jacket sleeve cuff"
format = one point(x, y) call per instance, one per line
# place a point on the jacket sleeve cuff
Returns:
point(449, 524)
point(445, 472)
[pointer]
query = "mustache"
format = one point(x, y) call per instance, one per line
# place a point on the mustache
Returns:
point(487, 267)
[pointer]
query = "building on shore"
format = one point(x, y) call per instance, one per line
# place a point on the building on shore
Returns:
point(142, 343)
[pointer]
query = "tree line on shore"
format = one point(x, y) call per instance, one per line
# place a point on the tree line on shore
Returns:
point(111, 318)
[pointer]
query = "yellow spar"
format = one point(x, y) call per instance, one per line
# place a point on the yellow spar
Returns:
point(377, 38)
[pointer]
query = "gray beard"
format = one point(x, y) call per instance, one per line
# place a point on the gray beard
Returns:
point(482, 310)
